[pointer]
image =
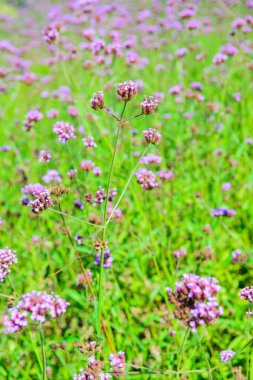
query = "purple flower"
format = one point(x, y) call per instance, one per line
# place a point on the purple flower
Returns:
point(151, 159)
point(64, 130)
point(247, 293)
point(87, 165)
point(8, 257)
point(98, 102)
point(217, 212)
point(33, 189)
point(117, 361)
point(152, 136)
point(89, 142)
point(127, 90)
point(146, 179)
point(148, 105)
point(219, 58)
point(180, 253)
point(42, 202)
point(226, 355)
point(38, 306)
point(165, 174)
point(45, 156)
point(195, 300)
point(32, 117)
point(52, 176)
point(107, 258)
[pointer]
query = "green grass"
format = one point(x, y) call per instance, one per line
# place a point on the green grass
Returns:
point(155, 223)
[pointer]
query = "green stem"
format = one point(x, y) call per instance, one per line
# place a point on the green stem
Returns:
point(126, 186)
point(44, 363)
point(181, 351)
point(101, 273)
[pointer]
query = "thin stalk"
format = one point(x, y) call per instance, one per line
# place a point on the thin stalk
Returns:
point(44, 363)
point(126, 186)
point(181, 351)
point(76, 253)
point(13, 287)
point(101, 272)
point(133, 117)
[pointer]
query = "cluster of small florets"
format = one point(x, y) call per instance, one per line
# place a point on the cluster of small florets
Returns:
point(247, 293)
point(148, 106)
point(51, 34)
point(87, 165)
point(238, 256)
point(32, 117)
point(180, 253)
point(217, 212)
point(89, 142)
point(226, 356)
point(107, 258)
point(45, 156)
point(93, 371)
point(151, 159)
point(117, 362)
point(146, 179)
point(97, 102)
point(64, 130)
point(41, 202)
point(152, 136)
point(33, 189)
point(127, 90)
point(52, 176)
point(38, 306)
point(100, 196)
point(8, 257)
point(195, 300)
point(165, 174)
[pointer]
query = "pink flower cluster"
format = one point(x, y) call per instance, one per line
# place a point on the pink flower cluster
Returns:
point(152, 136)
point(98, 102)
point(39, 306)
point(127, 90)
point(7, 258)
point(32, 117)
point(247, 293)
point(195, 300)
point(148, 106)
point(217, 212)
point(64, 130)
point(117, 361)
point(146, 179)
point(226, 356)
point(42, 202)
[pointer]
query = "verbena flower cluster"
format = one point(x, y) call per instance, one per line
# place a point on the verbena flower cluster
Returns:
point(8, 257)
point(34, 306)
point(247, 293)
point(195, 300)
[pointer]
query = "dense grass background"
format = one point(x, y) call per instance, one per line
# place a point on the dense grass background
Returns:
point(155, 223)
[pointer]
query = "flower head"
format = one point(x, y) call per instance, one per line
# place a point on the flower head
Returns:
point(64, 130)
point(7, 258)
point(152, 136)
point(97, 102)
point(247, 293)
point(127, 90)
point(148, 105)
point(226, 356)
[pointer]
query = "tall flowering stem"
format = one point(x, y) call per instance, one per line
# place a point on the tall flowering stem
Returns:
point(44, 362)
point(181, 352)
point(100, 292)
